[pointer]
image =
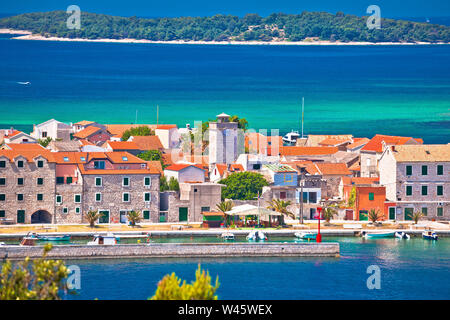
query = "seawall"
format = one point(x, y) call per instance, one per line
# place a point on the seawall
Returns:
point(168, 250)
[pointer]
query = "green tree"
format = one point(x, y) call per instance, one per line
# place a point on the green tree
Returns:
point(328, 213)
point(137, 131)
point(352, 198)
point(225, 206)
point(171, 288)
point(280, 206)
point(92, 217)
point(243, 185)
point(45, 142)
point(173, 184)
point(417, 215)
point(374, 215)
point(134, 217)
point(152, 155)
point(39, 279)
point(163, 185)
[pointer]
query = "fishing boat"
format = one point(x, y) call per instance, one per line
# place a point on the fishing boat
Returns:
point(227, 236)
point(429, 235)
point(256, 235)
point(402, 235)
point(29, 240)
point(65, 237)
point(306, 235)
point(291, 137)
point(377, 235)
point(108, 239)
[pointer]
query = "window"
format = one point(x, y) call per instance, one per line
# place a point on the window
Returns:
point(440, 170)
point(147, 181)
point(305, 197)
point(147, 197)
point(124, 158)
point(98, 197)
point(125, 197)
point(83, 159)
point(59, 180)
point(20, 164)
point(69, 180)
point(3, 164)
point(65, 210)
point(408, 170)
point(312, 197)
point(99, 164)
point(58, 199)
point(2, 181)
point(2, 197)
point(425, 211)
point(424, 170)
point(440, 211)
point(20, 181)
point(288, 177)
point(40, 164)
point(424, 190)
point(40, 181)
point(146, 214)
point(77, 210)
point(20, 197)
point(205, 209)
point(282, 194)
point(66, 159)
point(409, 190)
point(371, 196)
point(126, 182)
point(44, 134)
point(2, 213)
point(77, 198)
point(440, 190)
point(98, 181)
point(39, 197)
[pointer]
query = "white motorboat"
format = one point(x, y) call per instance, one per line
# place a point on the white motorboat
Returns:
point(227, 236)
point(429, 235)
point(291, 137)
point(108, 239)
point(256, 235)
point(306, 235)
point(402, 235)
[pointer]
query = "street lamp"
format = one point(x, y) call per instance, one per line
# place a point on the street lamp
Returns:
point(319, 236)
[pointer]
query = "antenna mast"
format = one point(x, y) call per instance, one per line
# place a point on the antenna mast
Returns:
point(157, 114)
point(303, 112)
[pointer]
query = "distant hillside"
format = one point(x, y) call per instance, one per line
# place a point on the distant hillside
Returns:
point(251, 27)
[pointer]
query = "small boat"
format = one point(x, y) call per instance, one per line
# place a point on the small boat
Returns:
point(24, 82)
point(402, 235)
point(429, 235)
point(29, 240)
point(65, 237)
point(377, 235)
point(256, 235)
point(2, 244)
point(306, 235)
point(227, 236)
point(291, 137)
point(108, 239)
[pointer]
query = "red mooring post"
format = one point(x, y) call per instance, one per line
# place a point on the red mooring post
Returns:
point(319, 236)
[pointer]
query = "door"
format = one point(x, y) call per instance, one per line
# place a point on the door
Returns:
point(104, 218)
point(21, 216)
point(123, 216)
point(363, 215)
point(312, 213)
point(392, 213)
point(162, 217)
point(408, 213)
point(182, 214)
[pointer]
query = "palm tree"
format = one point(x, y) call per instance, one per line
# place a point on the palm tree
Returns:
point(92, 217)
point(280, 206)
point(374, 215)
point(134, 217)
point(225, 206)
point(328, 213)
point(416, 216)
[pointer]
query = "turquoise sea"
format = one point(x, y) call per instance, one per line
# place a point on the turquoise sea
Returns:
point(409, 269)
point(363, 90)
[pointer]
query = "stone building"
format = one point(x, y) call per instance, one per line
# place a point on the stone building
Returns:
point(27, 180)
point(417, 178)
point(224, 142)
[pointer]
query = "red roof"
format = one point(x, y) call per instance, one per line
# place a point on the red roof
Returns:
point(86, 132)
point(333, 142)
point(24, 146)
point(324, 168)
point(29, 155)
point(123, 145)
point(375, 144)
point(148, 142)
point(181, 166)
point(166, 126)
point(236, 167)
point(357, 142)
point(302, 151)
point(221, 167)
point(360, 180)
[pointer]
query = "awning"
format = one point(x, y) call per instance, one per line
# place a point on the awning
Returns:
point(251, 210)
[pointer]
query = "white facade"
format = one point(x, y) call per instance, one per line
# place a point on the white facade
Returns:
point(53, 129)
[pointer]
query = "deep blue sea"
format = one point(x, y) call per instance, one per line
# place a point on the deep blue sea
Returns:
point(409, 269)
point(363, 90)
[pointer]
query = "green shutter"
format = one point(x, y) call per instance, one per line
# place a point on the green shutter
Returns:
point(2, 213)
point(392, 213)
point(2, 197)
point(424, 170)
point(424, 190)
point(20, 216)
point(408, 190)
point(104, 218)
point(182, 214)
point(363, 215)
point(408, 170)
point(69, 180)
point(371, 196)
point(2, 164)
point(98, 197)
point(126, 181)
point(147, 181)
point(146, 214)
point(440, 190)
point(126, 197)
point(147, 197)
point(40, 181)
point(60, 180)
point(408, 213)
point(77, 198)
point(425, 211)
point(440, 170)
point(98, 181)
point(440, 211)
point(40, 196)
point(2, 181)
point(40, 164)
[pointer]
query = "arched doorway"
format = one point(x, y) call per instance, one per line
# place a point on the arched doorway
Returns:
point(41, 216)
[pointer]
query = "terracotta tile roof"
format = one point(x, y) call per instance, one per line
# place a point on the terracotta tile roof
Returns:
point(325, 168)
point(84, 142)
point(116, 171)
point(83, 122)
point(181, 166)
point(166, 126)
point(332, 142)
point(280, 168)
point(357, 142)
point(24, 146)
point(123, 145)
point(29, 155)
point(114, 157)
point(360, 180)
point(355, 167)
point(212, 213)
point(148, 142)
point(235, 167)
point(422, 153)
point(221, 167)
point(314, 139)
point(156, 166)
point(86, 132)
point(375, 144)
point(119, 129)
point(300, 151)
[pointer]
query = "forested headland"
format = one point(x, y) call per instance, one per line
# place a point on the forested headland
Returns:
point(307, 26)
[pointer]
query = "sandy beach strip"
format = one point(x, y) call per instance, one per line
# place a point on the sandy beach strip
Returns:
point(27, 35)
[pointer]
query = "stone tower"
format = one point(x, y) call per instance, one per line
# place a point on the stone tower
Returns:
point(223, 140)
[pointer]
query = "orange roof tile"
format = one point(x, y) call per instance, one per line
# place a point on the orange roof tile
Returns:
point(123, 145)
point(156, 165)
point(375, 144)
point(301, 151)
point(86, 132)
point(24, 146)
point(12, 134)
point(333, 142)
point(83, 122)
point(236, 167)
point(29, 155)
point(119, 129)
point(326, 168)
point(117, 171)
point(148, 142)
point(360, 180)
point(166, 126)
point(181, 166)
point(221, 167)
point(357, 142)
